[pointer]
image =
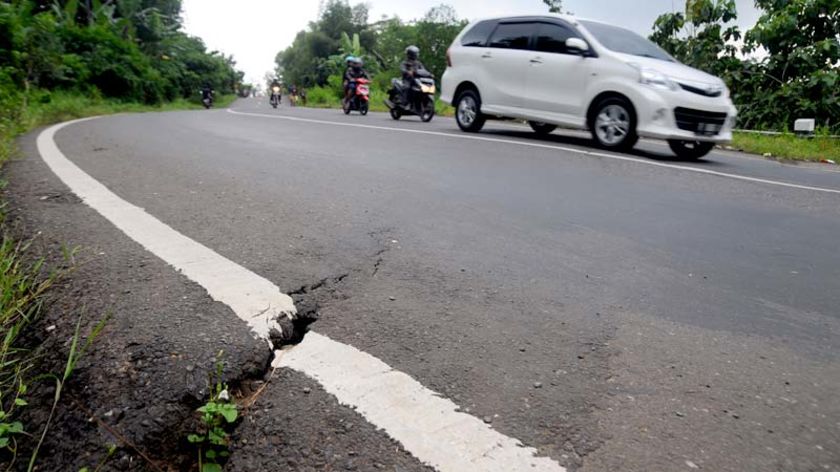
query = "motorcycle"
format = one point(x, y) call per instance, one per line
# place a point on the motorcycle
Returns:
point(207, 101)
point(421, 97)
point(360, 98)
point(275, 97)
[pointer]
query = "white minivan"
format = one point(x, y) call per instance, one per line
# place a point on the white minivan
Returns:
point(559, 70)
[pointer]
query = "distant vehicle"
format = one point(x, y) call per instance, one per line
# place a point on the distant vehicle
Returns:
point(360, 100)
point(275, 96)
point(556, 70)
point(421, 97)
point(206, 96)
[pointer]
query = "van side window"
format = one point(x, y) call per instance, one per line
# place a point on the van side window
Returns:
point(477, 35)
point(512, 36)
point(552, 38)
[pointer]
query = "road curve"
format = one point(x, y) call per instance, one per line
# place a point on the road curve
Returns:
point(615, 312)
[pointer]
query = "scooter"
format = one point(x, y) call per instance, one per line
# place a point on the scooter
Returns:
point(421, 97)
point(275, 97)
point(360, 99)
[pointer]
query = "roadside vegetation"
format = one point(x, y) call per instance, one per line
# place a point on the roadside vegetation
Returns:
point(819, 148)
point(316, 58)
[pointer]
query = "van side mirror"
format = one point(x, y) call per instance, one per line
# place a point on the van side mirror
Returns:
point(577, 45)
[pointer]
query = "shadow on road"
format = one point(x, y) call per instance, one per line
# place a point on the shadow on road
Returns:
point(565, 139)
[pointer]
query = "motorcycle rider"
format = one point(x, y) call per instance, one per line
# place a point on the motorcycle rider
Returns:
point(207, 93)
point(276, 90)
point(355, 70)
point(409, 67)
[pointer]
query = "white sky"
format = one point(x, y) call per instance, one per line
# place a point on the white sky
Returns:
point(255, 30)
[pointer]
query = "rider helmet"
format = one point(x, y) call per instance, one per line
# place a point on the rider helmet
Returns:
point(412, 52)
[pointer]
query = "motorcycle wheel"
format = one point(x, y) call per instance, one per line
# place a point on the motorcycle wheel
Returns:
point(396, 114)
point(428, 111)
point(364, 108)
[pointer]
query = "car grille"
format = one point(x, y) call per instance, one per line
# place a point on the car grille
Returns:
point(703, 92)
point(705, 123)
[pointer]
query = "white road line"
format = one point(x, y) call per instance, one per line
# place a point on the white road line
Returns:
point(548, 146)
point(427, 425)
point(253, 298)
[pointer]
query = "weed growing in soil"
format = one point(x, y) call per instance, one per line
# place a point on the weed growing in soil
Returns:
point(217, 416)
point(22, 286)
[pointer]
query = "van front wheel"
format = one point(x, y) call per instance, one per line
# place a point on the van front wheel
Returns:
point(690, 150)
point(613, 124)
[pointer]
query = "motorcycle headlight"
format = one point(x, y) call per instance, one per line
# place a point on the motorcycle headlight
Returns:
point(428, 88)
point(654, 78)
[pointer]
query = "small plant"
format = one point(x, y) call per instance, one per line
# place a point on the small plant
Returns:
point(217, 415)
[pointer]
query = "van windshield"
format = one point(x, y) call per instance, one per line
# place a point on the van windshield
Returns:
point(625, 41)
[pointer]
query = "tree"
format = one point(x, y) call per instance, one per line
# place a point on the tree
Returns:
point(798, 41)
point(554, 6)
point(800, 77)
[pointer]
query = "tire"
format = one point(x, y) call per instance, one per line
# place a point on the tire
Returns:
point(542, 129)
point(468, 112)
point(428, 111)
point(364, 109)
point(346, 107)
point(396, 114)
point(690, 150)
point(613, 124)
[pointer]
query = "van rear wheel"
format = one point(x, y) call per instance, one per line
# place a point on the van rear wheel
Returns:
point(468, 112)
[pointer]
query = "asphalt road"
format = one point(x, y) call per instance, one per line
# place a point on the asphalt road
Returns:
point(614, 313)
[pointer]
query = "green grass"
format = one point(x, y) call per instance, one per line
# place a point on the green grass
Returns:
point(789, 146)
point(67, 106)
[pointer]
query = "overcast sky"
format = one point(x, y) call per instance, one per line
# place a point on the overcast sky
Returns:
point(255, 30)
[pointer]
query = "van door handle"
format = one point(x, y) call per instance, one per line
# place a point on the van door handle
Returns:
point(486, 55)
point(536, 60)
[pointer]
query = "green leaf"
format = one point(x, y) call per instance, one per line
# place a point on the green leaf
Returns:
point(229, 412)
point(4, 442)
point(16, 427)
point(210, 454)
point(195, 438)
point(20, 402)
point(211, 468)
point(217, 436)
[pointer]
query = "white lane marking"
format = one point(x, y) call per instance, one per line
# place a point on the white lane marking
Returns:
point(253, 298)
point(428, 426)
point(548, 146)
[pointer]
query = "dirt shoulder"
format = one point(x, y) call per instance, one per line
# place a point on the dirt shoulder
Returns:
point(138, 386)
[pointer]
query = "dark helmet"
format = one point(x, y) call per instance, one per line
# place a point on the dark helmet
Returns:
point(412, 52)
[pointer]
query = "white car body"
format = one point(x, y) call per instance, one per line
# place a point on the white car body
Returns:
point(561, 88)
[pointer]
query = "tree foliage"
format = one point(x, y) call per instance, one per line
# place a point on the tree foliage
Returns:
point(786, 67)
point(316, 55)
point(131, 49)
point(554, 6)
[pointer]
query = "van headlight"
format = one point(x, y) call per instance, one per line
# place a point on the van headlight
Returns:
point(654, 78)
